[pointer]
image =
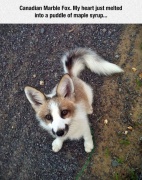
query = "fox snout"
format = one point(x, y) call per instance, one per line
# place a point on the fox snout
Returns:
point(61, 132)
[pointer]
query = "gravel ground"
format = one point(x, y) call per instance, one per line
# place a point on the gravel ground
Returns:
point(29, 54)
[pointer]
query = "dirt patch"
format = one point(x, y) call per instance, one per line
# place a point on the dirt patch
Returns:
point(30, 54)
point(118, 151)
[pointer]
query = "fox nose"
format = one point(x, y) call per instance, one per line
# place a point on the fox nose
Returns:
point(60, 133)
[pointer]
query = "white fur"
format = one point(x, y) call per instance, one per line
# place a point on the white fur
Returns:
point(77, 68)
point(98, 65)
point(57, 144)
point(64, 59)
point(92, 60)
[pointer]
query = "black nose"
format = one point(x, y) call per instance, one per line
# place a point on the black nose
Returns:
point(60, 133)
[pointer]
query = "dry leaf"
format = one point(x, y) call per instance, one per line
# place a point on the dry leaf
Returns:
point(130, 128)
point(140, 75)
point(105, 121)
point(134, 69)
point(41, 83)
point(71, 30)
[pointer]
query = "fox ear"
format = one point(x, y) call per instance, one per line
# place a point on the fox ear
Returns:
point(65, 87)
point(35, 97)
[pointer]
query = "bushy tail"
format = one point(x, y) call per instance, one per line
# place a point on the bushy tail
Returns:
point(75, 61)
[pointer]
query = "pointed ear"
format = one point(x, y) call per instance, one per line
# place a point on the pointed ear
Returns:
point(35, 97)
point(65, 87)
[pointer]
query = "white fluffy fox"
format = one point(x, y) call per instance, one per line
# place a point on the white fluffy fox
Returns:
point(63, 113)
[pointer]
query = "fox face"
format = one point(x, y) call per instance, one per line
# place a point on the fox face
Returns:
point(55, 111)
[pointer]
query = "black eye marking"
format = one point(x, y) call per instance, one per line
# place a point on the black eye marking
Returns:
point(49, 117)
point(64, 112)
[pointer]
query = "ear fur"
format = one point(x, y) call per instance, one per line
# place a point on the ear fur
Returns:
point(35, 97)
point(65, 87)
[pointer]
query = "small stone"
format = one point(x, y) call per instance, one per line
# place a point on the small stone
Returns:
point(42, 30)
point(114, 163)
point(120, 150)
point(109, 33)
point(140, 139)
point(4, 63)
point(125, 120)
point(56, 74)
point(120, 89)
point(131, 53)
point(134, 34)
point(41, 83)
point(104, 30)
point(116, 56)
point(34, 75)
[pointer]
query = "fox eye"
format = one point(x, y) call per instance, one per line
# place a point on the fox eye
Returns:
point(49, 117)
point(64, 112)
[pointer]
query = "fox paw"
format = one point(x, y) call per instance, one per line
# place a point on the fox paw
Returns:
point(56, 145)
point(88, 146)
